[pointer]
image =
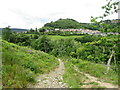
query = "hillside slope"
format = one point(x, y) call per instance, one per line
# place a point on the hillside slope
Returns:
point(21, 65)
point(64, 24)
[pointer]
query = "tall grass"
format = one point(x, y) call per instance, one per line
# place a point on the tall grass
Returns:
point(72, 77)
point(21, 65)
point(76, 79)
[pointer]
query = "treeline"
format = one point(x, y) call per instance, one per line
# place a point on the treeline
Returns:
point(88, 47)
point(92, 48)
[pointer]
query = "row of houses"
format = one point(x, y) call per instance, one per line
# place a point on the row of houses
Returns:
point(85, 31)
point(81, 30)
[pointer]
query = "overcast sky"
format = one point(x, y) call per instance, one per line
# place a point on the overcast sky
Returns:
point(35, 13)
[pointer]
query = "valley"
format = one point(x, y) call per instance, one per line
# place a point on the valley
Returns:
point(57, 59)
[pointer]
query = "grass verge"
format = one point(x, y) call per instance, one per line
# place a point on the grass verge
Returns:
point(96, 70)
point(72, 77)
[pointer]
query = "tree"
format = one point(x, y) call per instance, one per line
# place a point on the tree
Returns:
point(36, 36)
point(6, 33)
point(110, 8)
point(32, 30)
point(80, 52)
point(13, 37)
point(43, 29)
point(43, 44)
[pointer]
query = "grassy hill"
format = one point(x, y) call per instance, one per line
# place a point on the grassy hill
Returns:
point(73, 24)
point(21, 65)
point(64, 24)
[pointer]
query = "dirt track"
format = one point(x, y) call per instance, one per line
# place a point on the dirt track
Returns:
point(94, 79)
point(53, 79)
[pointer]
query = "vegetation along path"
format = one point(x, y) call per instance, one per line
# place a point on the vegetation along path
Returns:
point(94, 79)
point(53, 79)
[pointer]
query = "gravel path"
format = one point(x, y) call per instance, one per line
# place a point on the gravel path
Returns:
point(94, 79)
point(52, 80)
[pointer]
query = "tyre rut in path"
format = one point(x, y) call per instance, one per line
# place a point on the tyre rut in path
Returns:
point(94, 79)
point(53, 79)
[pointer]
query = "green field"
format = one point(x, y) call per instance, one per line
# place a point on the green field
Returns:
point(57, 37)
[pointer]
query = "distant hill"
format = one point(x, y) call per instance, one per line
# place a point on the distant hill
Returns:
point(73, 24)
point(70, 24)
point(16, 29)
point(112, 21)
point(64, 24)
